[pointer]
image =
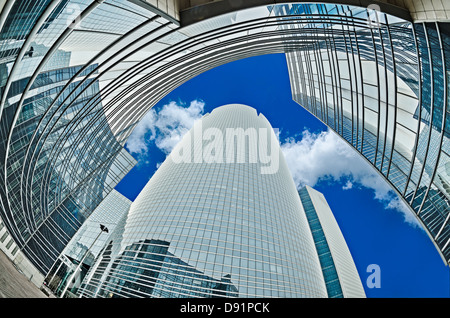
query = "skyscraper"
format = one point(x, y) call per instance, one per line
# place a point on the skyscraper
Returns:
point(379, 78)
point(214, 215)
point(339, 270)
point(87, 244)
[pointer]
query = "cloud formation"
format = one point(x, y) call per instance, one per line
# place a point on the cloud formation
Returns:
point(136, 142)
point(165, 127)
point(325, 156)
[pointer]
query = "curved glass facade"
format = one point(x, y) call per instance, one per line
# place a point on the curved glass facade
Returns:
point(384, 90)
point(221, 227)
point(330, 274)
point(87, 244)
point(339, 271)
point(77, 75)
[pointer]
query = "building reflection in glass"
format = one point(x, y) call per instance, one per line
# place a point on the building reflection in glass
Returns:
point(148, 269)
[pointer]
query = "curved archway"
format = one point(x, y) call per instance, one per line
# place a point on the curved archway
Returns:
point(79, 75)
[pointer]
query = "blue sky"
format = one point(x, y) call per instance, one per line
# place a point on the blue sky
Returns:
point(376, 225)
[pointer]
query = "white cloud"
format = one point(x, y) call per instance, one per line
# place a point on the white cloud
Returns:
point(397, 204)
point(348, 185)
point(165, 127)
point(325, 156)
point(173, 121)
point(136, 142)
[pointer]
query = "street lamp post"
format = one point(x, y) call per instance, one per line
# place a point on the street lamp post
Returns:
point(102, 229)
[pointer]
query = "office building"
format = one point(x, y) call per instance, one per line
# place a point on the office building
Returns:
point(86, 245)
point(193, 224)
point(217, 215)
point(340, 274)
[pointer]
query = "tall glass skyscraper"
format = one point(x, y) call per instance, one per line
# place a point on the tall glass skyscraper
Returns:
point(217, 216)
point(76, 76)
point(339, 271)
